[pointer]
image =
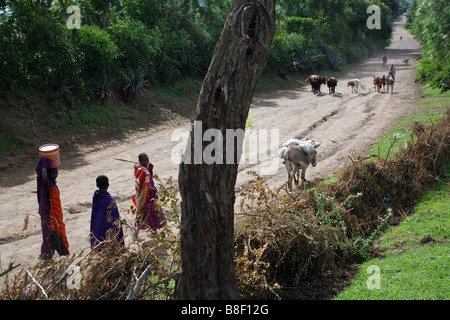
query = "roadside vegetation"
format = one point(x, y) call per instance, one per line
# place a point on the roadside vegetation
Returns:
point(411, 260)
point(412, 257)
point(428, 22)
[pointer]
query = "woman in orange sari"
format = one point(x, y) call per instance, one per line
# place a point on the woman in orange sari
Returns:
point(147, 215)
point(53, 228)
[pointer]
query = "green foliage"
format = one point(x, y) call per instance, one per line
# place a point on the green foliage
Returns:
point(35, 50)
point(135, 45)
point(429, 22)
point(175, 50)
point(314, 35)
point(95, 52)
point(169, 40)
point(135, 82)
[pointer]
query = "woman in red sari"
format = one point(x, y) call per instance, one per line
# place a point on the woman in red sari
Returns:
point(147, 215)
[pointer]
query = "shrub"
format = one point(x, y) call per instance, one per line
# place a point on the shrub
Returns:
point(135, 46)
point(175, 52)
point(95, 52)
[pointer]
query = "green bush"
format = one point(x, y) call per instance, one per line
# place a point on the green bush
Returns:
point(428, 21)
point(135, 46)
point(35, 52)
point(10, 62)
point(95, 53)
point(290, 48)
point(175, 51)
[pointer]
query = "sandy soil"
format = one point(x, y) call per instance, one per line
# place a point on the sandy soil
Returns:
point(343, 122)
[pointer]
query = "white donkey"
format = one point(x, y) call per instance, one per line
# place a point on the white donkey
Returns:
point(299, 156)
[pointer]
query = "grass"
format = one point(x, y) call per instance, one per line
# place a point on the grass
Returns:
point(415, 262)
point(430, 111)
point(420, 273)
point(416, 255)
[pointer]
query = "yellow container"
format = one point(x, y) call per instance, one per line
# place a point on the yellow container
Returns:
point(51, 152)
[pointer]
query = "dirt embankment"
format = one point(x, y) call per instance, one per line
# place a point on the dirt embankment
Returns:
point(343, 122)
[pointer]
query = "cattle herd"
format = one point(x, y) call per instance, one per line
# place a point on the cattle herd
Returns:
point(379, 82)
point(298, 155)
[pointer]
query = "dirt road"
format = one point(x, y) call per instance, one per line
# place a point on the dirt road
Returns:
point(343, 122)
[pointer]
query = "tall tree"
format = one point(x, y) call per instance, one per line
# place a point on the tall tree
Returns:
point(207, 190)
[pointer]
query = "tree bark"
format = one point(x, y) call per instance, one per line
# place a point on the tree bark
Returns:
point(207, 190)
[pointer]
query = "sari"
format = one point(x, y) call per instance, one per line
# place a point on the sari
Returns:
point(53, 228)
point(105, 221)
point(147, 215)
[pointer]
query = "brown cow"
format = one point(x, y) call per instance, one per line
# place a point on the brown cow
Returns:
point(377, 83)
point(332, 83)
point(322, 80)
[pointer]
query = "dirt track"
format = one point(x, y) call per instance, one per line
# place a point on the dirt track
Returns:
point(343, 122)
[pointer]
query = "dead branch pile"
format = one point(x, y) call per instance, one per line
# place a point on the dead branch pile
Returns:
point(113, 274)
point(284, 239)
point(397, 182)
point(284, 236)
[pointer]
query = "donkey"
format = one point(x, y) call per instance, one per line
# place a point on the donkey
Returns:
point(390, 83)
point(296, 158)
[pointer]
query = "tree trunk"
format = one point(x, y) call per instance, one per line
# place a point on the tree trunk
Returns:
point(207, 190)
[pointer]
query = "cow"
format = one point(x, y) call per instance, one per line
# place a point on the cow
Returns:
point(331, 83)
point(390, 83)
point(354, 84)
point(322, 80)
point(383, 81)
point(296, 158)
point(405, 61)
point(315, 85)
point(377, 83)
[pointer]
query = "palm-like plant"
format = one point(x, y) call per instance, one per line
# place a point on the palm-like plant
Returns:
point(135, 82)
point(104, 87)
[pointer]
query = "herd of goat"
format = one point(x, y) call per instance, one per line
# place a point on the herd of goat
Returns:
point(298, 155)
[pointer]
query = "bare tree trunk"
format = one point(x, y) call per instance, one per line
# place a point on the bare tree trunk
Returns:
point(207, 190)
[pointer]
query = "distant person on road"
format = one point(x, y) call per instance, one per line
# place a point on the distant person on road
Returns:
point(392, 71)
point(106, 227)
point(147, 215)
point(53, 228)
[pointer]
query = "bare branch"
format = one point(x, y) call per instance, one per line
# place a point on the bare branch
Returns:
point(37, 283)
point(10, 268)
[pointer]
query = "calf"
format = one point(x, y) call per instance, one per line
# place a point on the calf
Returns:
point(354, 84)
point(377, 83)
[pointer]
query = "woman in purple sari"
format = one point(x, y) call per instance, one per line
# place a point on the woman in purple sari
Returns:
point(106, 227)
